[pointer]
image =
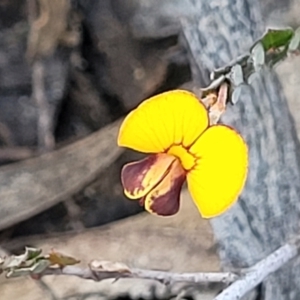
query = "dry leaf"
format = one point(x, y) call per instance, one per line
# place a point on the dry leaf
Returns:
point(60, 259)
point(109, 266)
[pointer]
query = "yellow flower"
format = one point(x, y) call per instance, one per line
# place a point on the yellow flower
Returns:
point(173, 128)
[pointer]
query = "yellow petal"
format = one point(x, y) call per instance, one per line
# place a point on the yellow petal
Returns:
point(175, 117)
point(220, 172)
point(186, 158)
point(164, 198)
point(139, 177)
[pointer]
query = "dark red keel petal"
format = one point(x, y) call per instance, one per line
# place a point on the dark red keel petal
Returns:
point(164, 199)
point(140, 177)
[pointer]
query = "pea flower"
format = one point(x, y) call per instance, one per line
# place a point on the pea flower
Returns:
point(173, 128)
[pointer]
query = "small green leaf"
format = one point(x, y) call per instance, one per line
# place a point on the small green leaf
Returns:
point(295, 41)
point(39, 267)
point(236, 75)
point(258, 56)
point(15, 261)
point(32, 253)
point(275, 38)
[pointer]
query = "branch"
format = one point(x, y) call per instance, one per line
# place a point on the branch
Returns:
point(164, 277)
point(273, 47)
point(33, 263)
point(255, 275)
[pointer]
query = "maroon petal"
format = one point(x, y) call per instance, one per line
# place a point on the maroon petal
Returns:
point(164, 199)
point(140, 177)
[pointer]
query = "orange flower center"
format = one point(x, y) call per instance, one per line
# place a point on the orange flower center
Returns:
point(187, 160)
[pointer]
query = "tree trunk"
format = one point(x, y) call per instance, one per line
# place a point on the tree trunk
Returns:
point(267, 213)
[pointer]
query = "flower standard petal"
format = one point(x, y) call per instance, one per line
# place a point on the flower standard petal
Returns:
point(139, 177)
point(164, 198)
point(220, 172)
point(175, 117)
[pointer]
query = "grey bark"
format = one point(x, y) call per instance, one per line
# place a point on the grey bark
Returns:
point(267, 213)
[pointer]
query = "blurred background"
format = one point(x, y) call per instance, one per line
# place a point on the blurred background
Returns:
point(68, 69)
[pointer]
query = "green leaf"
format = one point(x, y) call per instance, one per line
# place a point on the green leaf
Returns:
point(275, 38)
point(236, 75)
point(15, 261)
point(295, 41)
point(258, 56)
point(32, 253)
point(39, 267)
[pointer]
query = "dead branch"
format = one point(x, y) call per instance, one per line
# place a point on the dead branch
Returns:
point(31, 186)
point(164, 277)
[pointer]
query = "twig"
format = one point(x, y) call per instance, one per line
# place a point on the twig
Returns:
point(256, 274)
point(165, 277)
